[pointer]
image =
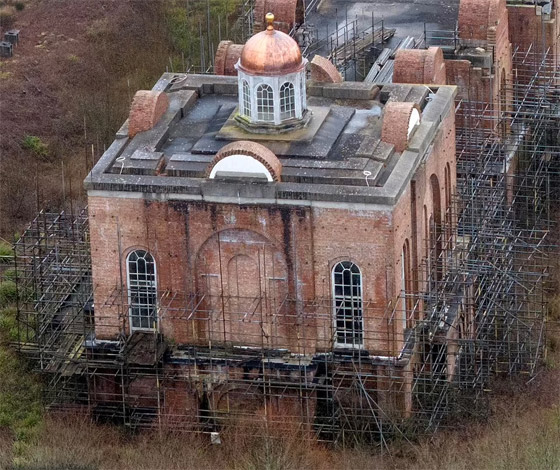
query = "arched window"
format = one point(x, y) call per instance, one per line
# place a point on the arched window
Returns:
point(448, 208)
point(503, 104)
point(265, 103)
point(405, 285)
point(246, 111)
point(436, 227)
point(348, 305)
point(287, 101)
point(142, 290)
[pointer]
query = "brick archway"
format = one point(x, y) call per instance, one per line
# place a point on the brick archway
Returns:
point(396, 123)
point(226, 57)
point(251, 149)
point(420, 66)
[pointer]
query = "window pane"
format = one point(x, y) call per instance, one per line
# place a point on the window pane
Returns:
point(348, 304)
point(142, 289)
point(246, 100)
point(265, 103)
point(287, 101)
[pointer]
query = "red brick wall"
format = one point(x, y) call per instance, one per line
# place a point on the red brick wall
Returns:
point(420, 66)
point(287, 13)
point(323, 70)
point(273, 253)
point(529, 30)
point(443, 154)
point(227, 55)
point(484, 23)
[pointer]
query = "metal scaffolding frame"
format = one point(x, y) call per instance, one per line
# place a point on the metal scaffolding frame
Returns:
point(477, 309)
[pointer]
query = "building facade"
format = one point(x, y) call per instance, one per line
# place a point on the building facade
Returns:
point(257, 243)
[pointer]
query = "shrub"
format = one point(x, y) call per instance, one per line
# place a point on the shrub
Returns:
point(19, 6)
point(8, 293)
point(6, 252)
point(8, 275)
point(36, 145)
point(8, 323)
point(20, 405)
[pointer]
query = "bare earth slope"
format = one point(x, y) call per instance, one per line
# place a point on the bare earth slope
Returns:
point(69, 83)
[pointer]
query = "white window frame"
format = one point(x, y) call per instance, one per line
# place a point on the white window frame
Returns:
point(265, 106)
point(344, 298)
point(403, 288)
point(287, 101)
point(246, 99)
point(151, 289)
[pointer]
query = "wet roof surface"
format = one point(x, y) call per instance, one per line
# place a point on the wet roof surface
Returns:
point(337, 149)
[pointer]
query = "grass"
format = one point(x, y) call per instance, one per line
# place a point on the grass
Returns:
point(523, 440)
point(20, 398)
point(6, 252)
point(20, 391)
point(8, 293)
point(8, 323)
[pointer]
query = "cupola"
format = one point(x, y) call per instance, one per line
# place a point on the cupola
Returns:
point(271, 80)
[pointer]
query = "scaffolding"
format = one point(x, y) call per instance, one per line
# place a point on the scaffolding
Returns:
point(476, 310)
point(53, 278)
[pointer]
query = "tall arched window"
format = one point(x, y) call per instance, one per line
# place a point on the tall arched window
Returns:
point(348, 305)
point(265, 103)
point(246, 99)
point(436, 227)
point(406, 290)
point(142, 290)
point(287, 101)
point(503, 104)
point(448, 208)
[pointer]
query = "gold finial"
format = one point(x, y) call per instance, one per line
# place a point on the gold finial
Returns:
point(270, 21)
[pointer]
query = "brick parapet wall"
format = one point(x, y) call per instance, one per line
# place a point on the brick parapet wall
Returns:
point(226, 57)
point(146, 110)
point(425, 66)
point(323, 70)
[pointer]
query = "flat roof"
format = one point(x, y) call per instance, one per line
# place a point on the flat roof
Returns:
point(323, 163)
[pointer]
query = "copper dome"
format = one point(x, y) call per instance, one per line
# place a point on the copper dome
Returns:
point(270, 52)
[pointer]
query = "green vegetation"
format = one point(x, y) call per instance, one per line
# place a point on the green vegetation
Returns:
point(20, 409)
point(20, 392)
point(8, 293)
point(8, 275)
point(6, 252)
point(8, 323)
point(185, 23)
point(36, 145)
